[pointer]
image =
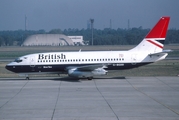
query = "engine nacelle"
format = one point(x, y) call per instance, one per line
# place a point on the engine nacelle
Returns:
point(99, 71)
point(86, 74)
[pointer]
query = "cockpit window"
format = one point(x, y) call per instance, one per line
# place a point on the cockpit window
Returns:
point(18, 60)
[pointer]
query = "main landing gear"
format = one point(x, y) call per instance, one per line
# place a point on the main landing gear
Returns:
point(27, 77)
point(24, 75)
point(89, 78)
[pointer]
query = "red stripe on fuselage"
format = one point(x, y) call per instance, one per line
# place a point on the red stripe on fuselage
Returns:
point(155, 44)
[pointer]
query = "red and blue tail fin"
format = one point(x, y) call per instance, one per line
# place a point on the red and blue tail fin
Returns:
point(160, 29)
point(154, 41)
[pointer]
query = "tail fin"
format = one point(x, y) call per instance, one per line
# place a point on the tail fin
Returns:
point(154, 41)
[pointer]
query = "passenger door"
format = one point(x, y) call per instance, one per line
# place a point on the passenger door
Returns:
point(32, 64)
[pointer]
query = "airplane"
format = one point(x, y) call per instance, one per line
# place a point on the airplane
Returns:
point(87, 64)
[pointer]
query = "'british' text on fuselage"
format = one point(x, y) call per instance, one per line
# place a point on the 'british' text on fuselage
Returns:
point(51, 56)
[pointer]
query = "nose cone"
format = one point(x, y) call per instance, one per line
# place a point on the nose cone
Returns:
point(7, 67)
point(10, 68)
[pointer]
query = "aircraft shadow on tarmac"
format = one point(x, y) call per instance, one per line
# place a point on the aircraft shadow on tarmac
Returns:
point(67, 79)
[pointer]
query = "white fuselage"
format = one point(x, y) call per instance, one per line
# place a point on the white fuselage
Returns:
point(58, 62)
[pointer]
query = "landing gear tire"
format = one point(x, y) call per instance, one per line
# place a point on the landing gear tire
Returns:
point(27, 78)
point(89, 78)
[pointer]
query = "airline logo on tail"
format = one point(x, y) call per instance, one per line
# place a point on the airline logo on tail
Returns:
point(157, 35)
point(156, 43)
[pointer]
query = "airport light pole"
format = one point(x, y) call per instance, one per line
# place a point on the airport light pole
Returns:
point(92, 21)
point(25, 22)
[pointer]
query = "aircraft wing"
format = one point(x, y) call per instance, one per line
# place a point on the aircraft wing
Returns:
point(87, 67)
point(90, 67)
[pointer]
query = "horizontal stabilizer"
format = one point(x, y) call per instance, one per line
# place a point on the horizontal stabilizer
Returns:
point(160, 53)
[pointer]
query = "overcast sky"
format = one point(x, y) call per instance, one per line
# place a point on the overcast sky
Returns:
point(64, 14)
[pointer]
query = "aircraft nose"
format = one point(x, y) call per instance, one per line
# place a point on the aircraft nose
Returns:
point(8, 67)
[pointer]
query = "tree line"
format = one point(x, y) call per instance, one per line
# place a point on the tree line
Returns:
point(100, 37)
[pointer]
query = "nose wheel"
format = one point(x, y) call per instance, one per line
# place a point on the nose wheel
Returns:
point(27, 77)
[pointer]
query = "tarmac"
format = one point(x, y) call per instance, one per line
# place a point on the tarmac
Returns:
point(123, 98)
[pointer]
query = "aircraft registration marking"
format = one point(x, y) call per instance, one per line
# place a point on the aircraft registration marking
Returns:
point(118, 64)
